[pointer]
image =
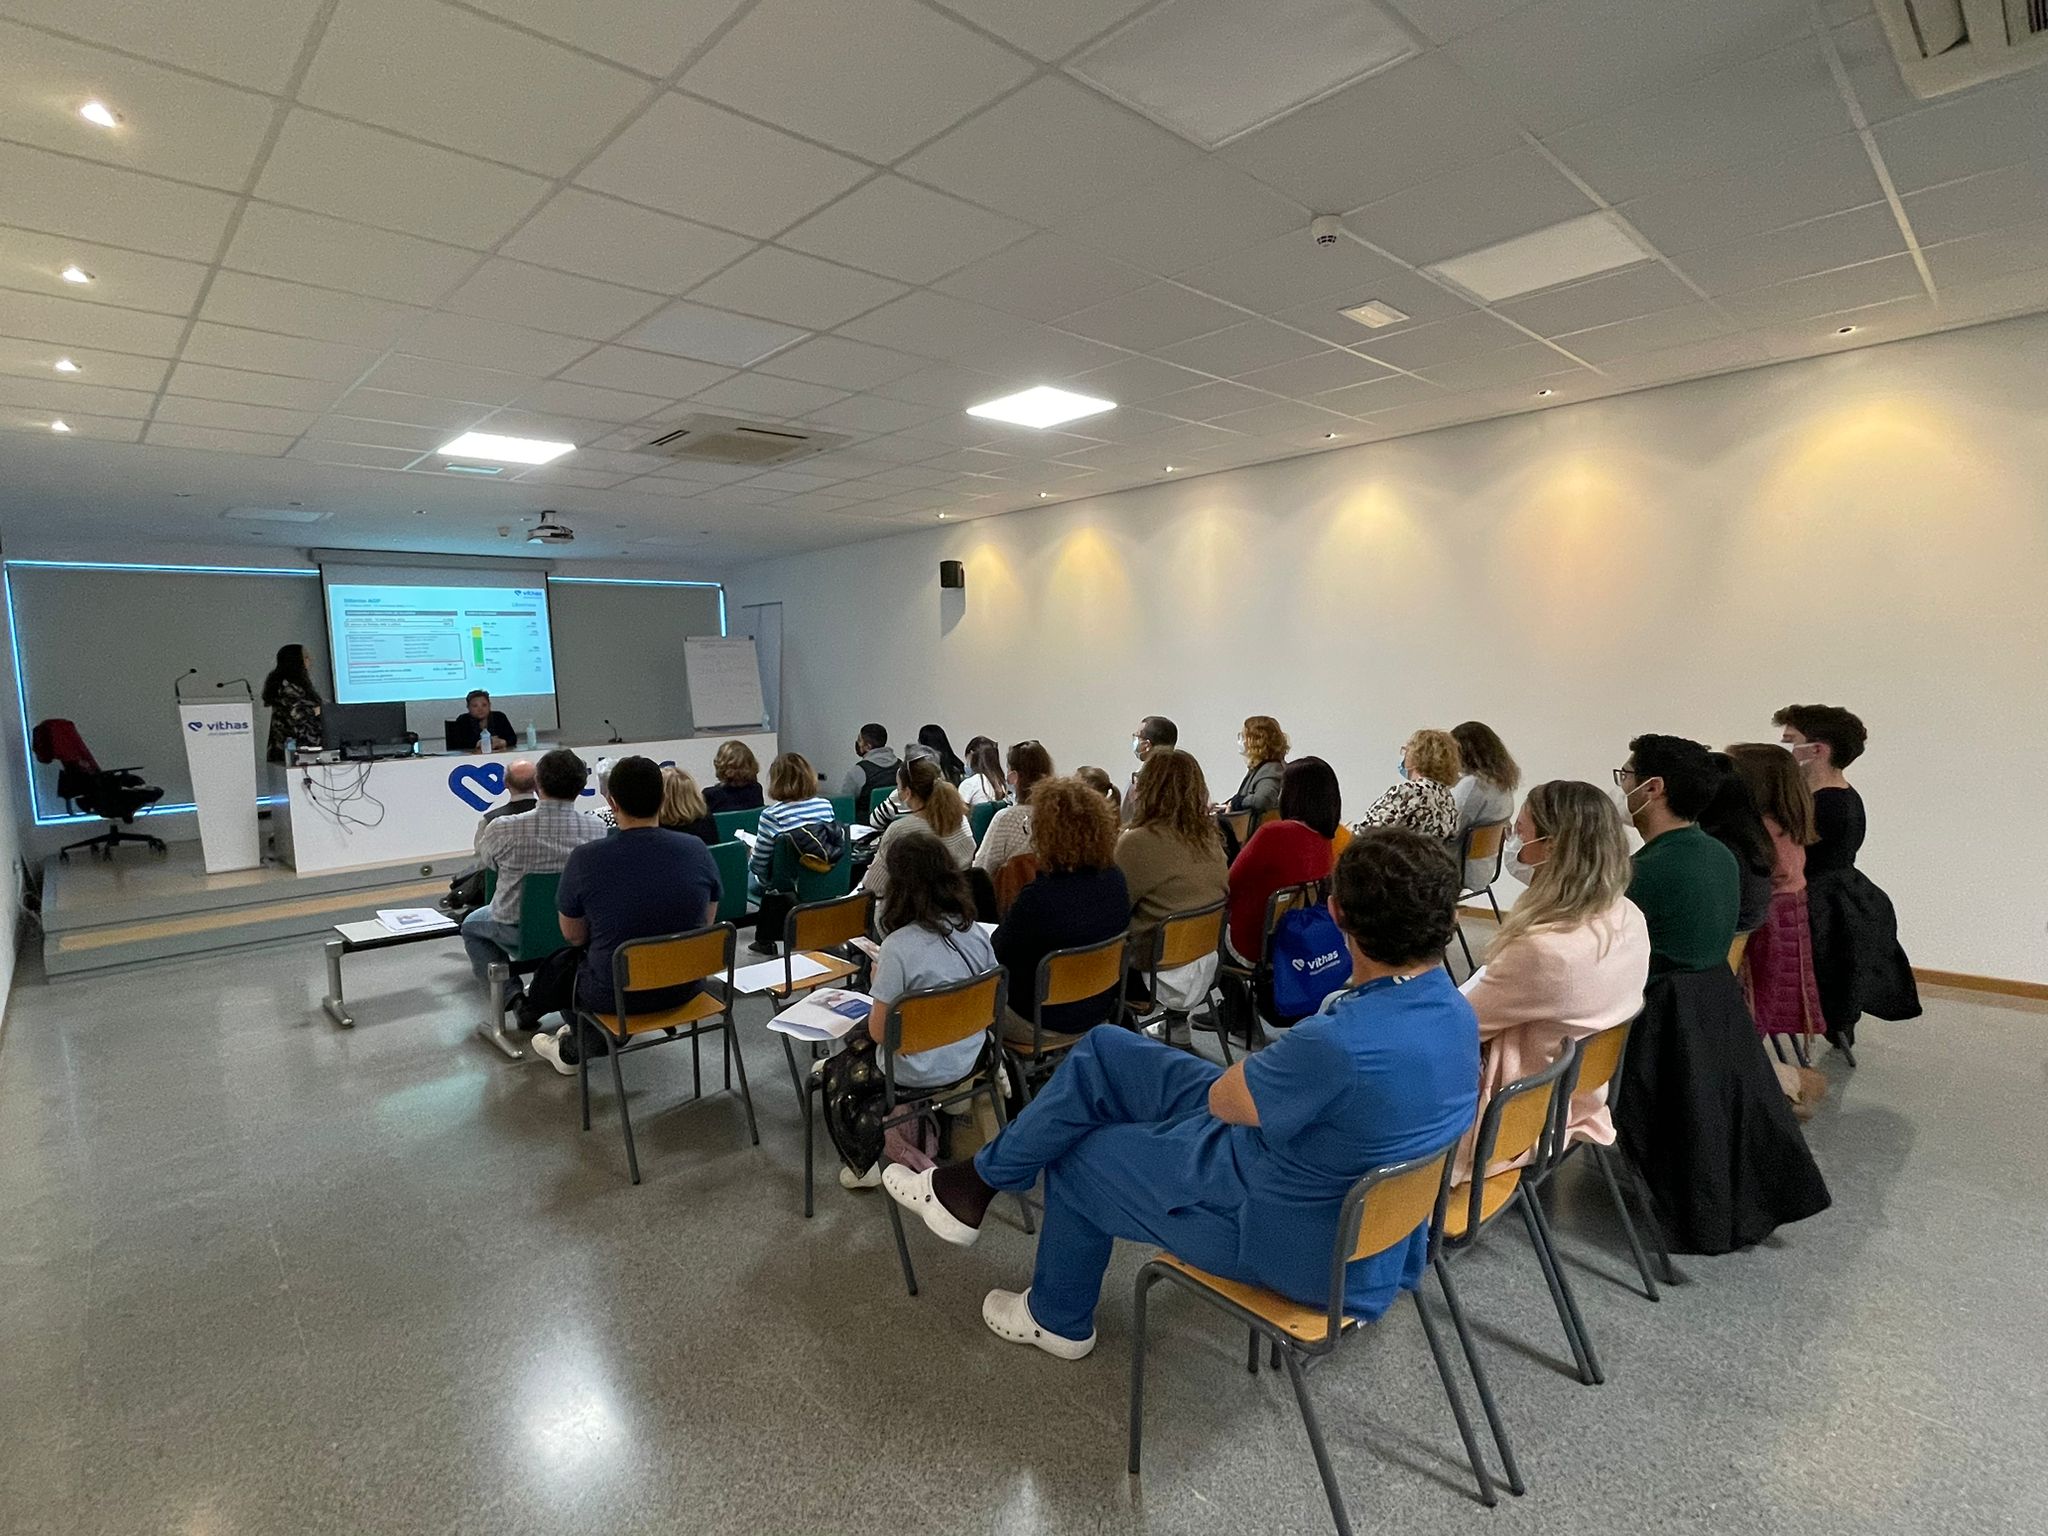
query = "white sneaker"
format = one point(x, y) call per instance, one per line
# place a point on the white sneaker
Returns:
point(913, 1191)
point(1008, 1315)
point(549, 1049)
point(872, 1179)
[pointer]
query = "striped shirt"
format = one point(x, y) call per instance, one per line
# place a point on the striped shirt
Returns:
point(535, 842)
point(778, 817)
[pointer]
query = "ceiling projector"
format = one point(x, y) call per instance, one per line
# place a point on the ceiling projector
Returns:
point(548, 531)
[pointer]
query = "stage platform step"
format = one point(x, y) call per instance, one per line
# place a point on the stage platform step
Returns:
point(139, 906)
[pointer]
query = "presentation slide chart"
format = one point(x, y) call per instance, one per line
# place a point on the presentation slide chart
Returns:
point(393, 643)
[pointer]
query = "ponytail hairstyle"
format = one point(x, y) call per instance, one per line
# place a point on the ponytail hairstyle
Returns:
point(943, 809)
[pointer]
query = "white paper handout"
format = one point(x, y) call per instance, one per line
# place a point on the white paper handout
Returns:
point(413, 919)
point(742, 835)
point(859, 832)
point(769, 973)
point(827, 1014)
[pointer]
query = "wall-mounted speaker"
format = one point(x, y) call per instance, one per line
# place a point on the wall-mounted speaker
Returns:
point(952, 574)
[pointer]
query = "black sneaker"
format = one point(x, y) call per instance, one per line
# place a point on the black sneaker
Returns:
point(758, 948)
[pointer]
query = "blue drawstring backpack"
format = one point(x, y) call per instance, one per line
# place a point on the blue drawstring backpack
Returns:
point(1310, 961)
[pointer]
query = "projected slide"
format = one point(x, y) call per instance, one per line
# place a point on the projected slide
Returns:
point(392, 643)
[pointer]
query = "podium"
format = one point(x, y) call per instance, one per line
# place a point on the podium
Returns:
point(220, 750)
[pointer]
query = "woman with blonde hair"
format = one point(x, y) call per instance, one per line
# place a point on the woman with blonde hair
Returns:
point(1422, 800)
point(932, 807)
point(1572, 955)
point(738, 773)
point(1264, 748)
point(682, 806)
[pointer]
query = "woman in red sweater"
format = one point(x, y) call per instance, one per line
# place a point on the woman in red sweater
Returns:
point(1291, 851)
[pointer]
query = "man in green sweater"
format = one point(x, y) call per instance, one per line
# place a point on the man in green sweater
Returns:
point(1686, 882)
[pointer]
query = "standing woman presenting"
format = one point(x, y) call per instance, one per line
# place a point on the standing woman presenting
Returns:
point(294, 703)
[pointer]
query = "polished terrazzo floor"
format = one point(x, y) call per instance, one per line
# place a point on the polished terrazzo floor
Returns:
point(261, 1275)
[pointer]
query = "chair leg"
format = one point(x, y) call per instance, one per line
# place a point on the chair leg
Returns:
point(1146, 1278)
point(1487, 1404)
point(1800, 1053)
point(732, 1054)
point(810, 1157)
point(625, 1115)
point(1628, 1225)
point(1778, 1047)
point(582, 1065)
point(1251, 1351)
point(1315, 1441)
point(902, 1247)
point(995, 1090)
point(1561, 1290)
point(1650, 1218)
point(1466, 947)
point(796, 1078)
point(696, 1066)
point(1495, 905)
point(1473, 1456)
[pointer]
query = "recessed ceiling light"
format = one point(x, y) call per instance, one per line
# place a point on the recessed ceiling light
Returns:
point(942, 517)
point(1542, 394)
point(1041, 407)
point(513, 450)
point(1045, 495)
point(65, 365)
point(1328, 436)
point(1580, 247)
point(1373, 314)
point(1847, 330)
point(474, 469)
point(60, 426)
point(99, 112)
point(75, 274)
point(1169, 469)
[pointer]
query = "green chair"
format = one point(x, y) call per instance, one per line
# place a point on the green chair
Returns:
point(787, 873)
point(540, 935)
point(730, 822)
point(731, 859)
point(842, 809)
point(978, 818)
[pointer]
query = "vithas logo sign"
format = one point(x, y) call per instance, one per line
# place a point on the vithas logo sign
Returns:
point(230, 727)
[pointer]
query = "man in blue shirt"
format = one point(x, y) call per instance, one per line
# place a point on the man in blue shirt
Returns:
point(1243, 1172)
point(641, 882)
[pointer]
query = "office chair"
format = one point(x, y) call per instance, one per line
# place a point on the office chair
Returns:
point(115, 794)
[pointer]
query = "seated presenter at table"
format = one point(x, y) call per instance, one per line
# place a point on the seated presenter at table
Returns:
point(480, 728)
point(1241, 1172)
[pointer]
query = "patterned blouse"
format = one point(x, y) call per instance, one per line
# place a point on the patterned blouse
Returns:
point(1422, 804)
point(295, 716)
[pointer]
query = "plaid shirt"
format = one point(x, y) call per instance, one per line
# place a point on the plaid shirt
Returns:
point(535, 842)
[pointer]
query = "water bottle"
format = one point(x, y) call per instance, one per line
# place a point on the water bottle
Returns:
point(532, 736)
point(291, 750)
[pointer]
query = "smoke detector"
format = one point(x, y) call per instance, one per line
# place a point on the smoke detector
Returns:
point(548, 531)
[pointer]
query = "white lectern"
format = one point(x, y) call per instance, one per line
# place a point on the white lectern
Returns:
point(220, 748)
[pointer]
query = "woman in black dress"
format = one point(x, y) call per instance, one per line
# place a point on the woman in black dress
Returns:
point(1857, 961)
point(294, 704)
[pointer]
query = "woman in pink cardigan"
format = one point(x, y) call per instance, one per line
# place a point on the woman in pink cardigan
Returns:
point(1571, 957)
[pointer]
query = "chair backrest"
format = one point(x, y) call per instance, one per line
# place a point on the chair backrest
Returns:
point(672, 960)
point(934, 1016)
point(1185, 937)
point(448, 730)
point(978, 818)
point(1382, 1209)
point(1281, 902)
point(730, 822)
point(540, 930)
point(1736, 950)
point(1516, 1124)
point(842, 808)
point(1082, 972)
point(1017, 872)
point(827, 924)
point(1595, 1063)
point(1483, 841)
point(731, 859)
point(1239, 826)
point(786, 872)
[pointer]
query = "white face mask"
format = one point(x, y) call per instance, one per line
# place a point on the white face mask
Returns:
point(1138, 748)
point(1517, 865)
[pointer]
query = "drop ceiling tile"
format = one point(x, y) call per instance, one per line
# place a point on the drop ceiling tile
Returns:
point(1873, 70)
point(1647, 333)
point(1975, 205)
point(1293, 269)
point(279, 242)
point(1559, 62)
point(101, 428)
point(69, 322)
point(616, 242)
point(451, 77)
point(1241, 348)
point(1380, 395)
point(1187, 220)
point(227, 346)
point(172, 124)
point(1040, 353)
point(1819, 245)
point(1510, 365)
point(58, 397)
point(914, 477)
point(120, 370)
point(1984, 258)
point(647, 373)
point(702, 475)
point(1391, 130)
point(1049, 28)
point(1765, 193)
point(210, 383)
point(1417, 297)
point(1736, 115)
point(350, 455)
point(186, 411)
point(216, 439)
point(1206, 402)
point(371, 177)
point(903, 230)
point(1442, 20)
point(1314, 374)
point(1135, 379)
point(63, 196)
point(515, 422)
point(575, 479)
point(711, 335)
point(450, 381)
point(843, 364)
point(392, 435)
point(1467, 210)
point(30, 260)
point(563, 398)
point(551, 301)
point(1873, 282)
point(737, 174)
point(1444, 341)
point(1639, 290)
point(2017, 293)
point(801, 290)
point(902, 449)
point(932, 325)
point(652, 36)
point(792, 62)
point(1154, 316)
point(943, 384)
point(1019, 156)
point(873, 413)
point(1042, 278)
point(1983, 129)
point(758, 394)
point(447, 416)
point(293, 309)
point(251, 42)
point(491, 344)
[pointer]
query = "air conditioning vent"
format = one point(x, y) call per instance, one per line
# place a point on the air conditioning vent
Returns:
point(1946, 45)
point(727, 440)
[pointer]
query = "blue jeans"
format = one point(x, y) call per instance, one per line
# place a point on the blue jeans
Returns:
point(1128, 1148)
point(488, 940)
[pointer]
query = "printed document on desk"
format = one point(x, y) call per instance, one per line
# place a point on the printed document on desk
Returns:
point(827, 1014)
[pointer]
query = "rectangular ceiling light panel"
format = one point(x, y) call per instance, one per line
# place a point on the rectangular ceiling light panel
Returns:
point(1563, 253)
point(1043, 406)
point(513, 450)
point(1214, 70)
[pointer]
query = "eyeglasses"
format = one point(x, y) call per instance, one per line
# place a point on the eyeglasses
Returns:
point(1622, 775)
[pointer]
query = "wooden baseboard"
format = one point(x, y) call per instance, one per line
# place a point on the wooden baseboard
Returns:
point(1965, 981)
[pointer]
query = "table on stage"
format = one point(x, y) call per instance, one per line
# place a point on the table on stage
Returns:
point(350, 815)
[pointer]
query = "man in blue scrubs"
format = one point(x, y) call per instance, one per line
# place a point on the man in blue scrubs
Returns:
point(1243, 1172)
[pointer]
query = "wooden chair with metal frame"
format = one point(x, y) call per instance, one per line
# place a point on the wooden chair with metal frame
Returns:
point(927, 1020)
point(821, 932)
point(1076, 975)
point(1382, 1209)
point(1259, 973)
point(1516, 1124)
point(1479, 842)
point(1181, 939)
point(644, 965)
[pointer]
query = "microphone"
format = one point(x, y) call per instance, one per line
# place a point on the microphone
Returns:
point(615, 738)
point(178, 682)
point(246, 688)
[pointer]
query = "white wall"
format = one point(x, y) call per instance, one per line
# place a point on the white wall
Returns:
point(1868, 529)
